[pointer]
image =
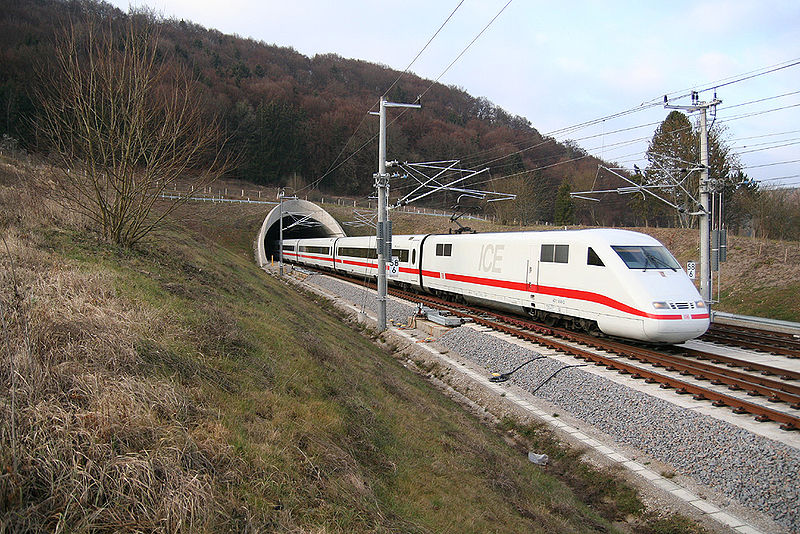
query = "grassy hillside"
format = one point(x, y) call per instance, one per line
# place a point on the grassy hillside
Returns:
point(176, 387)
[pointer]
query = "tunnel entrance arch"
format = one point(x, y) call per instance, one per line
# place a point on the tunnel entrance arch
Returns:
point(301, 219)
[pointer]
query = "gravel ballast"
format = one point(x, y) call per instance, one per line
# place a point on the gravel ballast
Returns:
point(396, 312)
point(755, 471)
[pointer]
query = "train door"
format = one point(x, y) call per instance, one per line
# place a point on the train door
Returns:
point(532, 275)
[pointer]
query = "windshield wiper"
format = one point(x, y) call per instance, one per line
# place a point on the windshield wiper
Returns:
point(655, 260)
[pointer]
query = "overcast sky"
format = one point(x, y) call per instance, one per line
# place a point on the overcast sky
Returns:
point(561, 64)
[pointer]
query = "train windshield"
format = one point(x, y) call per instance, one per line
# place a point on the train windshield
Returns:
point(646, 257)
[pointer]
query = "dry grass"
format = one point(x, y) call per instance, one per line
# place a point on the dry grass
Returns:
point(85, 443)
point(26, 197)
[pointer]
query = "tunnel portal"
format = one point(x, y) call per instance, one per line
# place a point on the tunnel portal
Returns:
point(301, 219)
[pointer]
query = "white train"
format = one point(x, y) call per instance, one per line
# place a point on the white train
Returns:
point(619, 282)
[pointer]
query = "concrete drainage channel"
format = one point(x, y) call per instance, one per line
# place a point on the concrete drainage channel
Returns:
point(708, 494)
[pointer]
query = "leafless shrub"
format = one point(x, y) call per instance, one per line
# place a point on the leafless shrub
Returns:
point(776, 213)
point(124, 125)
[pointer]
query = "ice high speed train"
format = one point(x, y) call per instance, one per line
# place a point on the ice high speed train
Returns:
point(619, 282)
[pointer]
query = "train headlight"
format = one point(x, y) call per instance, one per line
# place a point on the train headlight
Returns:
point(661, 305)
point(700, 304)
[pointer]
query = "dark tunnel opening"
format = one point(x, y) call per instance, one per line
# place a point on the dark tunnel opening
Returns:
point(302, 231)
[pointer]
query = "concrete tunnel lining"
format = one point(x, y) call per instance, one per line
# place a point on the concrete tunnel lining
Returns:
point(294, 210)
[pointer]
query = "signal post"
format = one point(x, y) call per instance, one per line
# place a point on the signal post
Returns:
point(704, 214)
point(384, 229)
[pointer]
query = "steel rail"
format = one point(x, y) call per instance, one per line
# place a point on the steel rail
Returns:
point(511, 325)
point(785, 374)
point(739, 406)
point(756, 332)
point(774, 390)
point(763, 340)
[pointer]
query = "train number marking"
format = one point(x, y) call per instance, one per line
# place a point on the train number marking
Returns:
point(491, 258)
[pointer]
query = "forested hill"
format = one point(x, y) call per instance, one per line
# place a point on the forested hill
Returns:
point(286, 114)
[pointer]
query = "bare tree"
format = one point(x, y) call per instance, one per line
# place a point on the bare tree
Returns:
point(124, 124)
point(775, 212)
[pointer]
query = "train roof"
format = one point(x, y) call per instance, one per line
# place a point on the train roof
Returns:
point(610, 236)
point(597, 236)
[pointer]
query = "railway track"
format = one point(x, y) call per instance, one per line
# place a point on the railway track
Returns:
point(753, 338)
point(753, 385)
point(776, 385)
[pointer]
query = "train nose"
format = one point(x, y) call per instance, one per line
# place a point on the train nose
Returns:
point(689, 326)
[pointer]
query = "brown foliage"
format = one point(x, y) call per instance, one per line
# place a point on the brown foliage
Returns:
point(329, 95)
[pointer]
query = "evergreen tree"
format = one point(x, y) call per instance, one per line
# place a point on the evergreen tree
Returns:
point(565, 206)
point(674, 156)
point(673, 153)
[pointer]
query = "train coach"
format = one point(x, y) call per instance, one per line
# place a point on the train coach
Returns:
point(617, 282)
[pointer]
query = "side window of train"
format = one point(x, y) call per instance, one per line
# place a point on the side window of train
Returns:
point(359, 252)
point(562, 254)
point(594, 259)
point(414, 257)
point(315, 250)
point(555, 253)
point(548, 252)
point(444, 249)
point(401, 254)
